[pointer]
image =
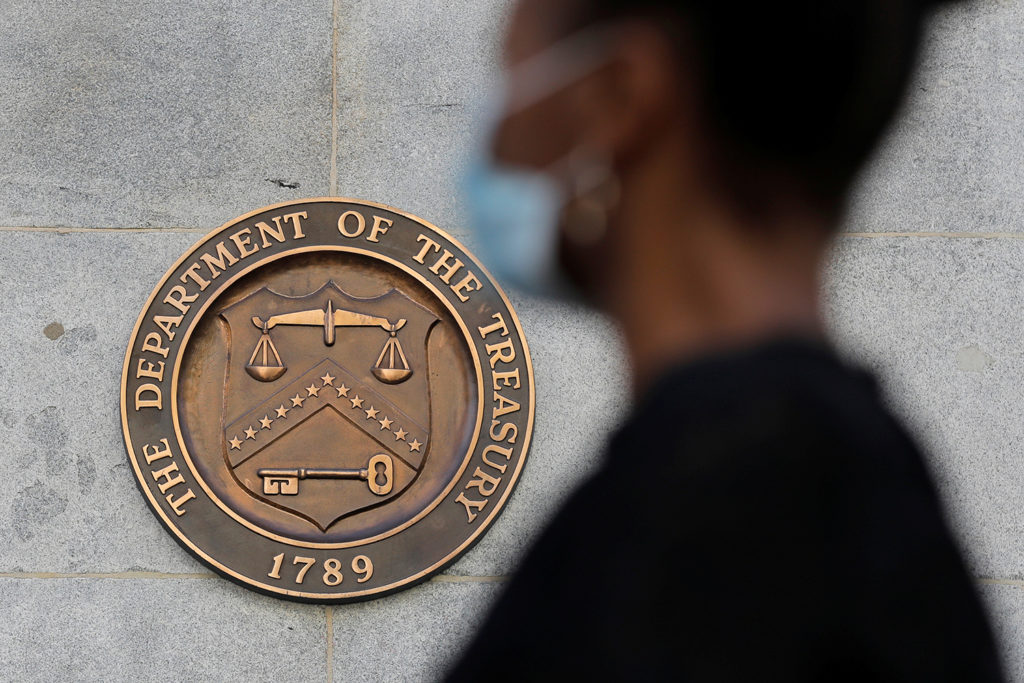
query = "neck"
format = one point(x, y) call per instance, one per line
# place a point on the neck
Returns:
point(697, 280)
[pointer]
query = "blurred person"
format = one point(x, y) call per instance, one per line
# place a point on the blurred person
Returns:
point(760, 516)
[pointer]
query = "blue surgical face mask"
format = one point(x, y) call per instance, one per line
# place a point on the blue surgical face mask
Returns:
point(515, 212)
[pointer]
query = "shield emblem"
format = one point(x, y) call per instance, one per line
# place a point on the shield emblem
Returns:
point(327, 402)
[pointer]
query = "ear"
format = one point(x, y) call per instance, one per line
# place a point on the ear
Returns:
point(644, 90)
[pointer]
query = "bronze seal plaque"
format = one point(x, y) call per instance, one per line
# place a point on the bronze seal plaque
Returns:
point(327, 400)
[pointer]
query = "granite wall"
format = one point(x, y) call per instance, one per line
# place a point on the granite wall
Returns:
point(129, 130)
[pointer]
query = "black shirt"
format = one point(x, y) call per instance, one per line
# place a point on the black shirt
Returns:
point(760, 516)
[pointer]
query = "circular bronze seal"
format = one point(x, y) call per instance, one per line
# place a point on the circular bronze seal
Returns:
point(327, 400)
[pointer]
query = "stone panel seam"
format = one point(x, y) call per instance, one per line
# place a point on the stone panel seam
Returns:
point(333, 182)
point(104, 575)
point(442, 578)
point(947, 235)
point(60, 230)
point(1001, 582)
point(466, 578)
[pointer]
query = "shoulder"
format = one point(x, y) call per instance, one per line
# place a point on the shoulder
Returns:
point(776, 445)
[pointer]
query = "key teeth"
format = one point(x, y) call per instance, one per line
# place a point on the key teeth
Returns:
point(274, 485)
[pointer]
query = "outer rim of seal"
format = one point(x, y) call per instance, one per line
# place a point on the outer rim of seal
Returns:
point(309, 596)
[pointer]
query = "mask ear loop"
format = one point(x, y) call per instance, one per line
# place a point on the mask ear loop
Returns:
point(588, 178)
point(556, 67)
point(591, 186)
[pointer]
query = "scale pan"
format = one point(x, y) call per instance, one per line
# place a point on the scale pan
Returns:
point(392, 375)
point(265, 373)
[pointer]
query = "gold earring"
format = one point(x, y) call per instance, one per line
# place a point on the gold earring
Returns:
point(596, 191)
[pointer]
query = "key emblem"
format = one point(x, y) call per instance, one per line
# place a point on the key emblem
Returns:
point(378, 475)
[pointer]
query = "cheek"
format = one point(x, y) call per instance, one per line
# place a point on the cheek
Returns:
point(535, 138)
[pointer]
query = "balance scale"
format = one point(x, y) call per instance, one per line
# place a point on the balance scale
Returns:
point(394, 371)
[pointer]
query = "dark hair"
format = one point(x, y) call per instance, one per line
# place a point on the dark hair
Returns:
point(797, 90)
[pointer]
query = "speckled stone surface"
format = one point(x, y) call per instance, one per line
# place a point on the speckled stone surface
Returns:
point(1006, 606)
point(72, 503)
point(157, 113)
point(940, 319)
point(147, 124)
point(411, 636)
point(117, 629)
point(414, 80)
point(954, 161)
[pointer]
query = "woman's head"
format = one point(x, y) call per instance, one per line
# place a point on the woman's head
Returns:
point(798, 91)
point(641, 112)
point(793, 93)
